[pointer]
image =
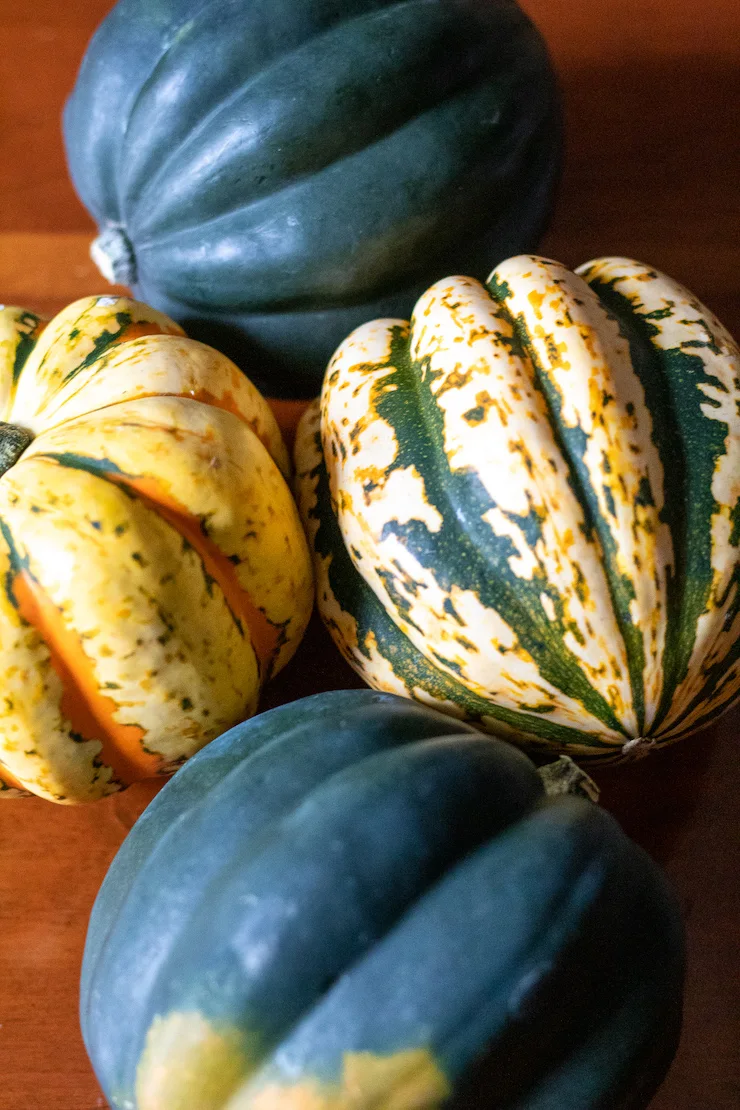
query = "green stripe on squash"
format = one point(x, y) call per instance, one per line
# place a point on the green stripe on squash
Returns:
point(376, 649)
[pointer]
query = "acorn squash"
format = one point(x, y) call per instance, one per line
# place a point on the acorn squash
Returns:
point(351, 902)
point(272, 173)
point(525, 505)
point(154, 569)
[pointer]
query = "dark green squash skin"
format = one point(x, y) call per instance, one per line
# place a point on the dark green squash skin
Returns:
point(284, 170)
point(355, 873)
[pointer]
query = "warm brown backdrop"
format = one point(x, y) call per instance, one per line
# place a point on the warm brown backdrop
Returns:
point(652, 89)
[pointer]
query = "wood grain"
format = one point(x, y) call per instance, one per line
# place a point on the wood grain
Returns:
point(652, 169)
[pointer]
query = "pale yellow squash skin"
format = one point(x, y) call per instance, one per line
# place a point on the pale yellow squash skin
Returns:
point(406, 1080)
point(154, 567)
point(539, 480)
point(189, 1062)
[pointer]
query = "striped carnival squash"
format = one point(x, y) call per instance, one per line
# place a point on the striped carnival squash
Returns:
point(525, 505)
point(154, 569)
point(272, 173)
point(353, 902)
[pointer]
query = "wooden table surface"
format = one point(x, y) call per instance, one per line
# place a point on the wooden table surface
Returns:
point(651, 90)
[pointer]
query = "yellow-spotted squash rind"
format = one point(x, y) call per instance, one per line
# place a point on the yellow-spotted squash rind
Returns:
point(525, 504)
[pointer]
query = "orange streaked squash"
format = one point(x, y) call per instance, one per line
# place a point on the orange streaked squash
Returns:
point(153, 569)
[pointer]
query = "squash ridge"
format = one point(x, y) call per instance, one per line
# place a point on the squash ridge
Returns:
point(274, 61)
point(265, 637)
point(580, 482)
point(84, 707)
point(183, 288)
point(653, 366)
point(556, 666)
point(408, 663)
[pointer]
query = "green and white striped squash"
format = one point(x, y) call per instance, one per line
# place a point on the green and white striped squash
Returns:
point(525, 505)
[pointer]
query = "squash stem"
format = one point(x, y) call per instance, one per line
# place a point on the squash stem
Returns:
point(13, 442)
point(113, 254)
point(563, 776)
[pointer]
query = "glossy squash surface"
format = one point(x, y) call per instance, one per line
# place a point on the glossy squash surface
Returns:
point(154, 569)
point(524, 505)
point(352, 902)
point(273, 173)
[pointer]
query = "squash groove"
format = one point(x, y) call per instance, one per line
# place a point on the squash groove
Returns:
point(89, 713)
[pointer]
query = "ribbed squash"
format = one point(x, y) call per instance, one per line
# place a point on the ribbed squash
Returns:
point(353, 902)
point(272, 173)
point(525, 505)
point(154, 569)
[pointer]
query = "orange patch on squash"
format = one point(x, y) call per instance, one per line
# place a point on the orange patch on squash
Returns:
point(265, 636)
point(139, 329)
point(90, 713)
point(287, 413)
point(225, 401)
point(228, 403)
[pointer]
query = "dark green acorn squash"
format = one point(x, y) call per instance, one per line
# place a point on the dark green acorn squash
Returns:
point(272, 173)
point(351, 902)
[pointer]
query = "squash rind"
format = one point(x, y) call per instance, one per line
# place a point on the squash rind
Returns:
point(418, 980)
point(271, 230)
point(496, 481)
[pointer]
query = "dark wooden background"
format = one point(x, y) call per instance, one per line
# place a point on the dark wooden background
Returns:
point(652, 96)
